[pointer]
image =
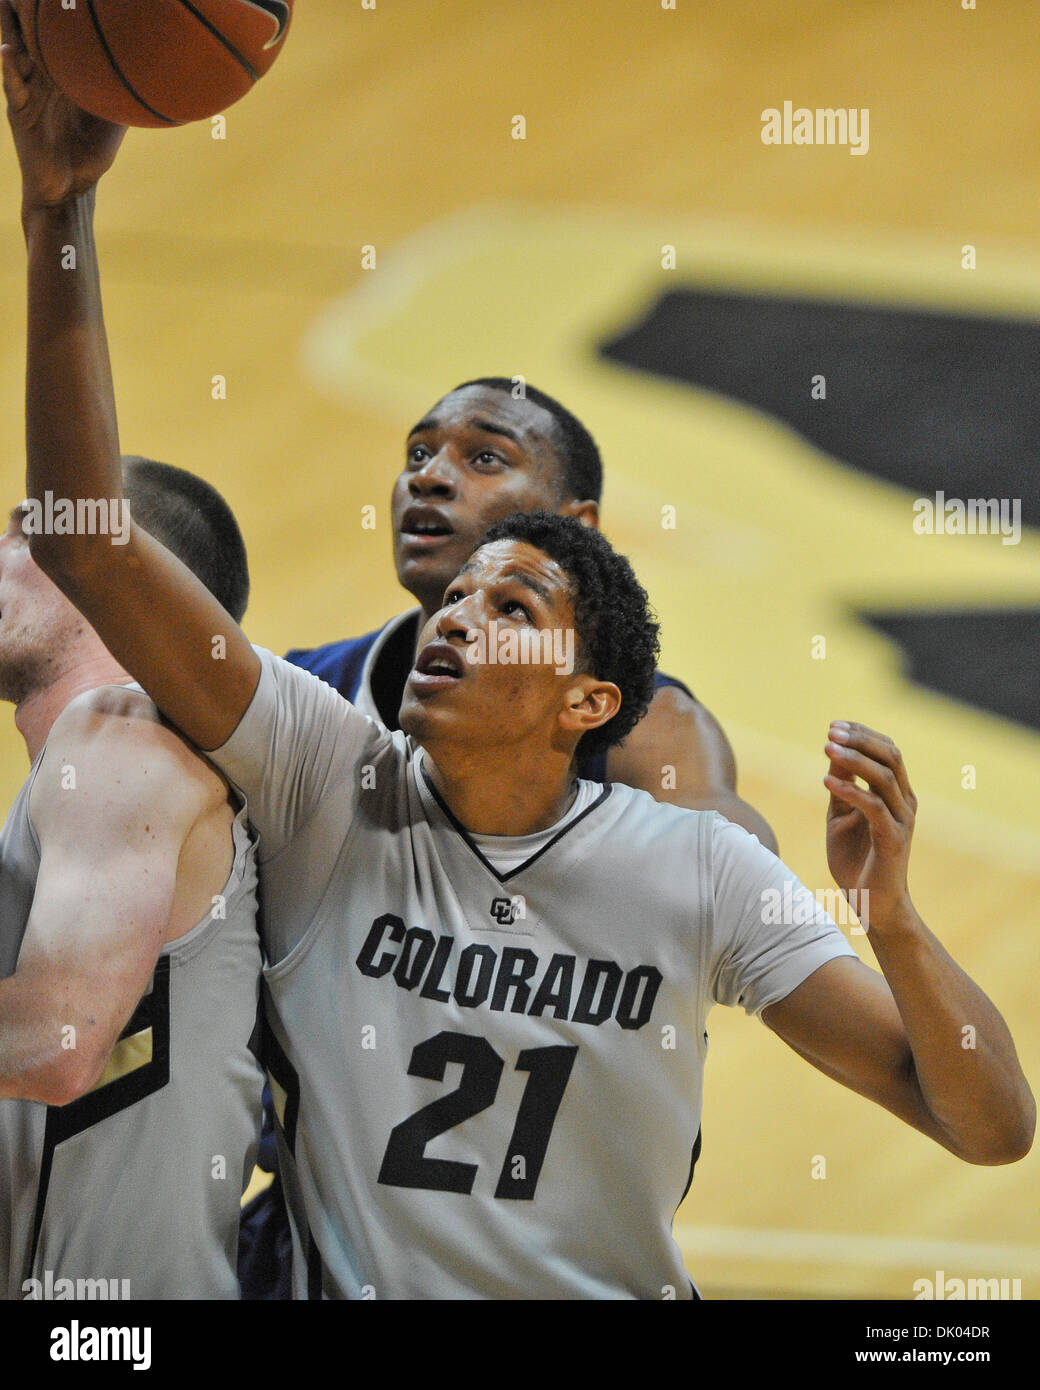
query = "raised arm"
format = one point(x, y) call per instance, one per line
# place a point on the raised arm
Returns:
point(924, 1041)
point(156, 618)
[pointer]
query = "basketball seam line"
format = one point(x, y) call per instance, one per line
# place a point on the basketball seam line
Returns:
point(223, 39)
point(119, 71)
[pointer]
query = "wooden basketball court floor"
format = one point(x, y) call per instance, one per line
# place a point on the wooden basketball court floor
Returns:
point(392, 128)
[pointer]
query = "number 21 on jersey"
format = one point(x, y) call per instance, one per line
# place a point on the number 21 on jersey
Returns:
point(405, 1163)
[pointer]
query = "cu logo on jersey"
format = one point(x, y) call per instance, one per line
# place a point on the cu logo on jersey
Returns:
point(506, 910)
point(279, 12)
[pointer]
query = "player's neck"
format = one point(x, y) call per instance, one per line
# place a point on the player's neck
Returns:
point(503, 793)
point(35, 715)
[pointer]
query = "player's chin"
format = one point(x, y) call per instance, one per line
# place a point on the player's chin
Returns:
point(430, 569)
point(433, 714)
point(416, 717)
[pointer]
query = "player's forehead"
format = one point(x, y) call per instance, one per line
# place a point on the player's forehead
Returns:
point(499, 561)
point(487, 408)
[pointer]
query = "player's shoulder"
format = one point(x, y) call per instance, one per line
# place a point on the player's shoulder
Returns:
point(297, 697)
point(107, 702)
point(116, 718)
point(293, 681)
point(633, 809)
point(628, 806)
point(663, 682)
point(117, 731)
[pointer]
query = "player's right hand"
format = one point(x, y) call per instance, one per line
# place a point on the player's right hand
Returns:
point(62, 150)
point(869, 829)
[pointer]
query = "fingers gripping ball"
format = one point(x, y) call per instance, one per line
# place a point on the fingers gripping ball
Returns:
point(155, 62)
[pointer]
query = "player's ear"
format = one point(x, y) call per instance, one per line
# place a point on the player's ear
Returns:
point(587, 512)
point(588, 703)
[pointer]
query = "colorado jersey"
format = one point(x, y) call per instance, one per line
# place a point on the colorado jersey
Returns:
point(132, 1190)
point(489, 1085)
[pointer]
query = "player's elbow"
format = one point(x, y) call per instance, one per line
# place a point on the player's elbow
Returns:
point(66, 1078)
point(1020, 1138)
point(1008, 1142)
point(998, 1155)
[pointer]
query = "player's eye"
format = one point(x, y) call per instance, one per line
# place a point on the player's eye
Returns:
point(453, 596)
point(417, 455)
point(487, 458)
point(514, 606)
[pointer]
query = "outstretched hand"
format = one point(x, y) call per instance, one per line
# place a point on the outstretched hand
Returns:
point(63, 150)
point(869, 829)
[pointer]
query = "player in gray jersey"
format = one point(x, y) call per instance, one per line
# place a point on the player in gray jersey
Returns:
point(488, 983)
point(129, 957)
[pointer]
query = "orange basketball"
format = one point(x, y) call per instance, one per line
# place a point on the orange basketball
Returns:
point(155, 62)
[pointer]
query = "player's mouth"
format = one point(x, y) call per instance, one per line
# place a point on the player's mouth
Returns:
point(425, 528)
point(438, 665)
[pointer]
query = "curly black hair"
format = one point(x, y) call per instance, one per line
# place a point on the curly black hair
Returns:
point(617, 634)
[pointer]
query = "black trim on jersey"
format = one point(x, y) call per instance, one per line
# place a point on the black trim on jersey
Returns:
point(275, 1061)
point(693, 1163)
point(256, 1038)
point(65, 1121)
point(315, 1269)
point(282, 1071)
point(504, 878)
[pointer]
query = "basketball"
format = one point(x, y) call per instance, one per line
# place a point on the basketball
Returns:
point(155, 62)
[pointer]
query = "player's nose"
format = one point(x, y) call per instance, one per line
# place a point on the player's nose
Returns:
point(436, 478)
point(460, 619)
